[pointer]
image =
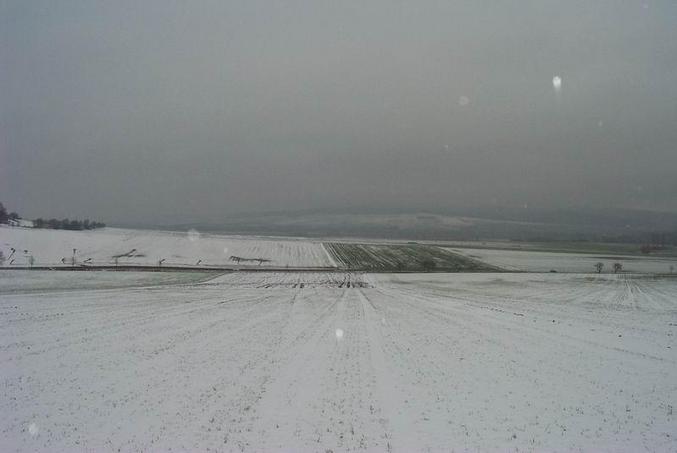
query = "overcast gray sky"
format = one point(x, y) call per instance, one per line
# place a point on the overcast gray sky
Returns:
point(153, 111)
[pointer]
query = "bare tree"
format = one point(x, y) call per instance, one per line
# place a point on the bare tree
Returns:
point(617, 267)
point(3, 214)
point(599, 266)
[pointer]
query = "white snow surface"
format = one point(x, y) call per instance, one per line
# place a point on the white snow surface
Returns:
point(28, 281)
point(49, 247)
point(536, 261)
point(425, 362)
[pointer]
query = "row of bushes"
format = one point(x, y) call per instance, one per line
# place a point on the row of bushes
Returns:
point(66, 224)
point(55, 224)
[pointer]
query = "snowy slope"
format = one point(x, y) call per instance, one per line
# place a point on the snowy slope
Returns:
point(20, 281)
point(148, 247)
point(406, 362)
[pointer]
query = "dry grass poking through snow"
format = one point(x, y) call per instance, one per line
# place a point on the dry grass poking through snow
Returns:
point(402, 257)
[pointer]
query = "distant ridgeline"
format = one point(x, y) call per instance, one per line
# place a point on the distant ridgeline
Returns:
point(13, 219)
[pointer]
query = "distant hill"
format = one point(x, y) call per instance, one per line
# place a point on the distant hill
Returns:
point(608, 225)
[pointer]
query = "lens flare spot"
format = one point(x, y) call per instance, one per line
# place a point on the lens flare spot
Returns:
point(193, 235)
point(557, 83)
point(33, 429)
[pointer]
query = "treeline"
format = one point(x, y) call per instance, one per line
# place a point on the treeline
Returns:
point(67, 224)
point(6, 217)
point(54, 224)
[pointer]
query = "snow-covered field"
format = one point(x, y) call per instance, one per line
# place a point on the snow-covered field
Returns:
point(147, 247)
point(535, 261)
point(26, 281)
point(405, 362)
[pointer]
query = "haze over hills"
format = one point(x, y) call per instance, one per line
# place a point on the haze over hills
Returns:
point(158, 112)
point(502, 223)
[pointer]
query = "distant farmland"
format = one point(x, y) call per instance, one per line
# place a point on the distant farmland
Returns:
point(402, 257)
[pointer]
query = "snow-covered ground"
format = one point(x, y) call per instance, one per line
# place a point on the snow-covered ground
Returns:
point(404, 362)
point(535, 261)
point(147, 247)
point(26, 281)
